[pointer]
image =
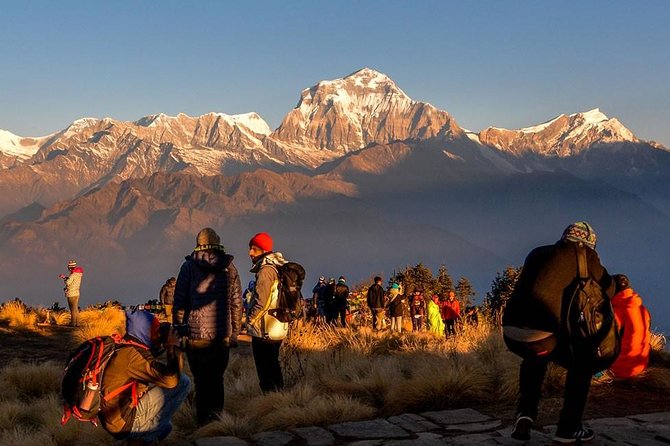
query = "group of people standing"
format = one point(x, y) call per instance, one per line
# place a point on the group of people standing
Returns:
point(329, 302)
point(438, 316)
point(206, 321)
point(207, 311)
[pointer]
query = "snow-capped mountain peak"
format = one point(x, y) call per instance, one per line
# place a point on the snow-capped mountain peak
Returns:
point(16, 149)
point(250, 120)
point(593, 116)
point(366, 106)
point(565, 135)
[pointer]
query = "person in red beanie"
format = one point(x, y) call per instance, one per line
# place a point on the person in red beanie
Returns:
point(266, 331)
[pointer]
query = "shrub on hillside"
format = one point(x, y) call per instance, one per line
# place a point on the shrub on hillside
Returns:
point(17, 315)
point(100, 322)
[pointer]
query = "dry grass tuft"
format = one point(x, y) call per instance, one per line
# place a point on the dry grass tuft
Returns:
point(305, 406)
point(228, 424)
point(100, 322)
point(28, 381)
point(17, 315)
point(26, 437)
point(655, 379)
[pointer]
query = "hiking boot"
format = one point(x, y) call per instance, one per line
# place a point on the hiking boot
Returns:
point(578, 437)
point(604, 377)
point(521, 430)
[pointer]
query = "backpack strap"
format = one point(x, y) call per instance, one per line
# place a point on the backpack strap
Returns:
point(268, 302)
point(121, 342)
point(132, 385)
point(582, 265)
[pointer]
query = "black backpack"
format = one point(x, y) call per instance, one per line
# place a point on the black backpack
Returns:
point(80, 387)
point(289, 304)
point(590, 324)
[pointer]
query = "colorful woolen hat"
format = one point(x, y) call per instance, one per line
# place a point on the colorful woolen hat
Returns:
point(580, 231)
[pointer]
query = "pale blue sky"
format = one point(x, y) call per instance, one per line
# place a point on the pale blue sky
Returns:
point(489, 63)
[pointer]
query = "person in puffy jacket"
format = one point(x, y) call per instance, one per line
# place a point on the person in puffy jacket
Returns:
point(167, 297)
point(140, 394)
point(208, 304)
point(266, 331)
point(634, 319)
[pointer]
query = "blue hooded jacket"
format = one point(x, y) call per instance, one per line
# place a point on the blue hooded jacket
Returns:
point(138, 325)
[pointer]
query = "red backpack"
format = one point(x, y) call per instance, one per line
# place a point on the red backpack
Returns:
point(82, 378)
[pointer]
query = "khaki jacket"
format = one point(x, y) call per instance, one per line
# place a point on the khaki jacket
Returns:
point(128, 364)
point(266, 295)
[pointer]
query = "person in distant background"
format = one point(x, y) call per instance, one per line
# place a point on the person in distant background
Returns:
point(417, 310)
point(167, 297)
point(319, 296)
point(72, 290)
point(330, 301)
point(451, 312)
point(395, 307)
point(341, 301)
point(634, 319)
point(375, 301)
point(435, 323)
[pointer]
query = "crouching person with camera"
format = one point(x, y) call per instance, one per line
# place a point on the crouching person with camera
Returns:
point(139, 393)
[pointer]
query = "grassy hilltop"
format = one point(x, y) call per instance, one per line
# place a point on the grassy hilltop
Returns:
point(332, 375)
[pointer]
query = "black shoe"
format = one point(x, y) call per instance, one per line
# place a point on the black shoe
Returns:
point(522, 427)
point(578, 437)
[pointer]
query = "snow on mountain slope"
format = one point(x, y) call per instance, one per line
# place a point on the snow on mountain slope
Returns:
point(347, 114)
point(563, 136)
point(16, 149)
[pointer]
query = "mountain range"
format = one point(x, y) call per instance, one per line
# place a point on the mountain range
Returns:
point(357, 179)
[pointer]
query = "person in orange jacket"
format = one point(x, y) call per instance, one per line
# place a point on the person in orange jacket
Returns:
point(634, 319)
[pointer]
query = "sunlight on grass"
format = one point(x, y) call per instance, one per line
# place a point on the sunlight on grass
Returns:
point(16, 315)
point(100, 322)
point(332, 375)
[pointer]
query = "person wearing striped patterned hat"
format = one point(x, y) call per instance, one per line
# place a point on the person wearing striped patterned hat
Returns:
point(533, 323)
point(72, 290)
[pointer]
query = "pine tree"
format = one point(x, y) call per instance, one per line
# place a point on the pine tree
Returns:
point(464, 292)
point(501, 290)
point(444, 282)
point(413, 277)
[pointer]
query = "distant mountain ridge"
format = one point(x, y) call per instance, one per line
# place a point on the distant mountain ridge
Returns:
point(357, 175)
point(563, 136)
point(331, 120)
